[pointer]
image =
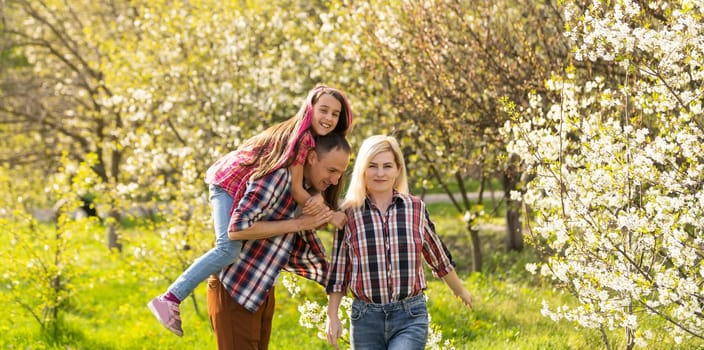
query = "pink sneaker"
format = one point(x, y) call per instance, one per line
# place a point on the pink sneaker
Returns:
point(168, 313)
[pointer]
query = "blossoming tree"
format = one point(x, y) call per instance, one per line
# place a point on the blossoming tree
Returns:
point(151, 92)
point(617, 165)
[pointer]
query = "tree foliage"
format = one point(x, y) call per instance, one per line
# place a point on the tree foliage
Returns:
point(157, 90)
point(149, 94)
point(617, 162)
point(442, 69)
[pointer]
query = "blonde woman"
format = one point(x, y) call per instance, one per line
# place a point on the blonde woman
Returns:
point(379, 255)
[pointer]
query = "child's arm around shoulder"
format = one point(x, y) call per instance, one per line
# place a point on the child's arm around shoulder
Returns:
point(300, 195)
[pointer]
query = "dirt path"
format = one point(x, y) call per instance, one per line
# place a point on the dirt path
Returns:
point(444, 197)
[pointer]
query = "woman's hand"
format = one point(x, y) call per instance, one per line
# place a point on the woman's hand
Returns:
point(457, 288)
point(466, 298)
point(339, 219)
point(333, 330)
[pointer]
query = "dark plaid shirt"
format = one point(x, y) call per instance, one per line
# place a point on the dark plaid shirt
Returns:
point(251, 278)
point(379, 256)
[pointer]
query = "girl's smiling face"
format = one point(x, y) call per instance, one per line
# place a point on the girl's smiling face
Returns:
point(326, 114)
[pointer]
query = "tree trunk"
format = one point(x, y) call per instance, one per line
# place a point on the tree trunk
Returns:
point(112, 231)
point(476, 249)
point(514, 231)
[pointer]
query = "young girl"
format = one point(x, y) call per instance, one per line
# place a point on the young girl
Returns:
point(285, 144)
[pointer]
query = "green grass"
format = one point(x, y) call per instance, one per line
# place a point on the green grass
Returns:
point(110, 311)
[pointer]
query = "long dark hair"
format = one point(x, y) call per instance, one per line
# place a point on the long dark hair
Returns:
point(278, 145)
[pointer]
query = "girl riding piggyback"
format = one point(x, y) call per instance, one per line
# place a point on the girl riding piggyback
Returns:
point(285, 144)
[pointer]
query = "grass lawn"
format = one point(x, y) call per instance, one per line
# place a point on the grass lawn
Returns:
point(109, 311)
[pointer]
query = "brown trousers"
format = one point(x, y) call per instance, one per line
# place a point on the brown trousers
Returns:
point(235, 327)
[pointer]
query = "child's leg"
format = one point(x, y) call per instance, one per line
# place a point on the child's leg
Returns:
point(224, 253)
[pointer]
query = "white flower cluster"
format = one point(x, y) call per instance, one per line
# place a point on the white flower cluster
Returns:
point(313, 315)
point(618, 187)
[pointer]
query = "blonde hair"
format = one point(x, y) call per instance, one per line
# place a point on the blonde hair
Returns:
point(373, 145)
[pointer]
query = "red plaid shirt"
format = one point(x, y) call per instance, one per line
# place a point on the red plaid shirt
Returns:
point(260, 262)
point(231, 172)
point(379, 256)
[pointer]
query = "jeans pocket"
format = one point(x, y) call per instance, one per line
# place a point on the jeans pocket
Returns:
point(357, 312)
point(417, 309)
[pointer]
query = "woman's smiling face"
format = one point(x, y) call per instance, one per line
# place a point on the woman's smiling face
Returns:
point(381, 173)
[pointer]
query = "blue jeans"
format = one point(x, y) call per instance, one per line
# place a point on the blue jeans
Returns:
point(401, 325)
point(225, 252)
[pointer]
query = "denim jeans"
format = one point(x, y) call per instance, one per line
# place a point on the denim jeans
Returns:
point(225, 252)
point(401, 325)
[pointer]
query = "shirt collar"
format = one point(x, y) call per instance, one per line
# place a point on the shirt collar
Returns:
point(395, 197)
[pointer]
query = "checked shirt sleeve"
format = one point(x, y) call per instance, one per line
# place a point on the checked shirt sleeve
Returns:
point(306, 144)
point(260, 199)
point(436, 253)
point(340, 270)
point(307, 258)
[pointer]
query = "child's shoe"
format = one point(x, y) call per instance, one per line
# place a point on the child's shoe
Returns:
point(168, 313)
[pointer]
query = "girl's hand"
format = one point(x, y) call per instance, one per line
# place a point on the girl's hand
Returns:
point(311, 222)
point(314, 205)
